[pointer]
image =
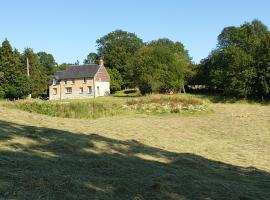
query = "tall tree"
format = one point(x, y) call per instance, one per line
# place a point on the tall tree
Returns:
point(116, 48)
point(237, 66)
point(92, 58)
point(262, 80)
point(161, 66)
point(14, 82)
point(38, 81)
point(48, 63)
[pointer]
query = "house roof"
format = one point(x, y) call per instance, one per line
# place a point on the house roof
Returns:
point(78, 71)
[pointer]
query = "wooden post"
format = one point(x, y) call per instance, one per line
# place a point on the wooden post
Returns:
point(28, 74)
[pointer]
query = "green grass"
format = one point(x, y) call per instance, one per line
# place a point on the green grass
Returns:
point(221, 155)
point(91, 109)
point(111, 106)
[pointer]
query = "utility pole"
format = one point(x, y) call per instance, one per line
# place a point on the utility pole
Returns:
point(28, 74)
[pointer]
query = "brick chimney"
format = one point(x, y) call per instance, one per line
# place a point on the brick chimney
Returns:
point(101, 62)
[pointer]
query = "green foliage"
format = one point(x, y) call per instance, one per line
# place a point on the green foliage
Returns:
point(92, 58)
point(116, 48)
point(48, 63)
point(63, 66)
point(161, 66)
point(116, 80)
point(14, 82)
point(238, 67)
point(262, 80)
point(2, 93)
point(38, 79)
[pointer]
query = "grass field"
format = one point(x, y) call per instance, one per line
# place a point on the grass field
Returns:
point(222, 154)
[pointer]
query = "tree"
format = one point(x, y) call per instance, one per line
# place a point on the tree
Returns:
point(161, 66)
point(63, 66)
point(116, 48)
point(238, 66)
point(116, 80)
point(2, 92)
point(92, 58)
point(48, 63)
point(38, 79)
point(262, 80)
point(14, 82)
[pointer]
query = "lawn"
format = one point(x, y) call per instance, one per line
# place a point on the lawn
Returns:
point(222, 154)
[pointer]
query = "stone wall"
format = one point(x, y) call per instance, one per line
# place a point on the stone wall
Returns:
point(75, 94)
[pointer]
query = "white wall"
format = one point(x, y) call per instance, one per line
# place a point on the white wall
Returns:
point(104, 88)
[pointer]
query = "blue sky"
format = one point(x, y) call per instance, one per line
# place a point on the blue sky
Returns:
point(69, 28)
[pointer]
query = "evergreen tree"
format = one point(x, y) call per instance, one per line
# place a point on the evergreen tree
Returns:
point(14, 82)
point(38, 81)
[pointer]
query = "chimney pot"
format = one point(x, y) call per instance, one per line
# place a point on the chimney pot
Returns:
point(101, 62)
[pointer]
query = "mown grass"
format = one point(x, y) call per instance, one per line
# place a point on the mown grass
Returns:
point(222, 155)
point(111, 106)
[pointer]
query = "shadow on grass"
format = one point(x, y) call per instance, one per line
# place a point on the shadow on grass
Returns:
point(42, 163)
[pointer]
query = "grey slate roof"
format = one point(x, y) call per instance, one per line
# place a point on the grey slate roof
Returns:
point(78, 71)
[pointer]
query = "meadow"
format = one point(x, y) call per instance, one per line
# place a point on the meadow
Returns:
point(219, 152)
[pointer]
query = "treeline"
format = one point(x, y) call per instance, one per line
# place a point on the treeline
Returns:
point(157, 66)
point(239, 66)
point(14, 82)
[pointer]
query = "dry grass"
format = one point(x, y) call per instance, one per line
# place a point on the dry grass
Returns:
point(220, 155)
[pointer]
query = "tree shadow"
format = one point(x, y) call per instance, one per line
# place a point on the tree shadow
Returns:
point(42, 163)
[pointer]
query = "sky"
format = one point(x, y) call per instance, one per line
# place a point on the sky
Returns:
point(68, 29)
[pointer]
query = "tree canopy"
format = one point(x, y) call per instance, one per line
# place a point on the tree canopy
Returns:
point(116, 48)
point(38, 78)
point(239, 66)
point(160, 66)
point(48, 63)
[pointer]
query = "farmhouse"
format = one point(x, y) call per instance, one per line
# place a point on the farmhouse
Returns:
point(80, 81)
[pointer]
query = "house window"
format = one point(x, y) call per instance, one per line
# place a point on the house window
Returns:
point(65, 82)
point(68, 90)
point(54, 91)
point(84, 80)
point(54, 81)
point(81, 90)
point(90, 89)
point(73, 81)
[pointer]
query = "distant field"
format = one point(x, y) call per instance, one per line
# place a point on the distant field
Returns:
point(222, 154)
